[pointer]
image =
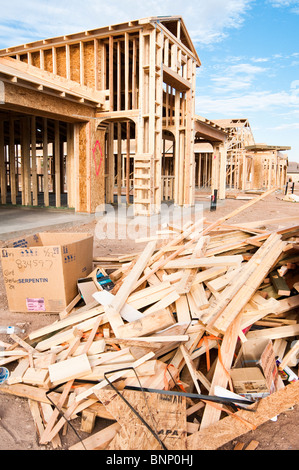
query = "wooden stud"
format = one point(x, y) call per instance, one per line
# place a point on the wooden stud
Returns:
point(45, 163)
point(128, 158)
point(33, 162)
point(3, 183)
point(12, 162)
point(57, 154)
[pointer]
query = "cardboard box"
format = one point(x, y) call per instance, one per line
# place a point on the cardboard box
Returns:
point(255, 369)
point(41, 271)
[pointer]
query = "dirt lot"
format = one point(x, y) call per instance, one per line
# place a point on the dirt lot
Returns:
point(17, 431)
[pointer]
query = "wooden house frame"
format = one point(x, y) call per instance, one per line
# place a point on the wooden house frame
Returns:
point(239, 165)
point(210, 164)
point(270, 166)
point(82, 98)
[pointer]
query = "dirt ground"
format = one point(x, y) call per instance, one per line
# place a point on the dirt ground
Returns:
point(17, 430)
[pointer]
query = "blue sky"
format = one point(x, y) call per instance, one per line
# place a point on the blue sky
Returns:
point(249, 51)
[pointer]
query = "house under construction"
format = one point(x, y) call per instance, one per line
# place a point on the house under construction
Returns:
point(108, 115)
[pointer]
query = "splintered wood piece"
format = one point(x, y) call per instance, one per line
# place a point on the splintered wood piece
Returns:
point(231, 427)
point(279, 284)
point(48, 429)
point(99, 440)
point(46, 411)
point(237, 211)
point(166, 415)
point(17, 374)
point(35, 412)
point(189, 263)
point(147, 325)
point(274, 333)
point(239, 446)
point(237, 294)
point(252, 445)
point(182, 309)
point(72, 368)
point(189, 274)
point(290, 354)
point(113, 377)
point(38, 377)
point(200, 296)
point(88, 418)
point(221, 374)
point(128, 286)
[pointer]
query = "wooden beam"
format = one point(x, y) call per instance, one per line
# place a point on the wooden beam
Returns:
point(33, 162)
point(128, 164)
point(45, 162)
point(231, 427)
point(112, 311)
point(12, 162)
point(221, 374)
point(3, 183)
point(26, 171)
point(57, 154)
point(111, 69)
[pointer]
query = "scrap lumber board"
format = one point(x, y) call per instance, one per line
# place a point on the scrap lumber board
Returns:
point(136, 300)
point(231, 427)
point(165, 415)
point(113, 377)
point(29, 392)
point(279, 284)
point(280, 220)
point(113, 310)
point(147, 325)
point(190, 263)
point(71, 368)
point(274, 333)
point(99, 440)
point(189, 274)
point(239, 291)
point(290, 354)
point(237, 211)
point(223, 365)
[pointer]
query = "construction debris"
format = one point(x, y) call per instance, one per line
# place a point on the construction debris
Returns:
point(176, 337)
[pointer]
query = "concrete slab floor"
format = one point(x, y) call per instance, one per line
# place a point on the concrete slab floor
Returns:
point(22, 220)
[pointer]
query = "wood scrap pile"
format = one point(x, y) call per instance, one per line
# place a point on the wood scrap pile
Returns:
point(155, 354)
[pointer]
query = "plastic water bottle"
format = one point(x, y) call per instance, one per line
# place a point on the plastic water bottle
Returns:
point(10, 330)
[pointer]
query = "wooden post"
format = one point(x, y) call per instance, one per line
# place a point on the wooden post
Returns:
point(128, 164)
point(134, 75)
point(33, 162)
point(119, 169)
point(26, 172)
point(45, 162)
point(54, 60)
point(71, 178)
point(57, 165)
point(119, 73)
point(2, 165)
point(126, 71)
point(111, 47)
point(221, 374)
point(81, 60)
point(12, 161)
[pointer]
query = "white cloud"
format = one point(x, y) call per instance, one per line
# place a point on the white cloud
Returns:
point(290, 126)
point(235, 77)
point(292, 4)
point(206, 21)
point(253, 102)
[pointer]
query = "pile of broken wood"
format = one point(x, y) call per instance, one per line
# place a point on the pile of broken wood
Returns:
point(152, 354)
